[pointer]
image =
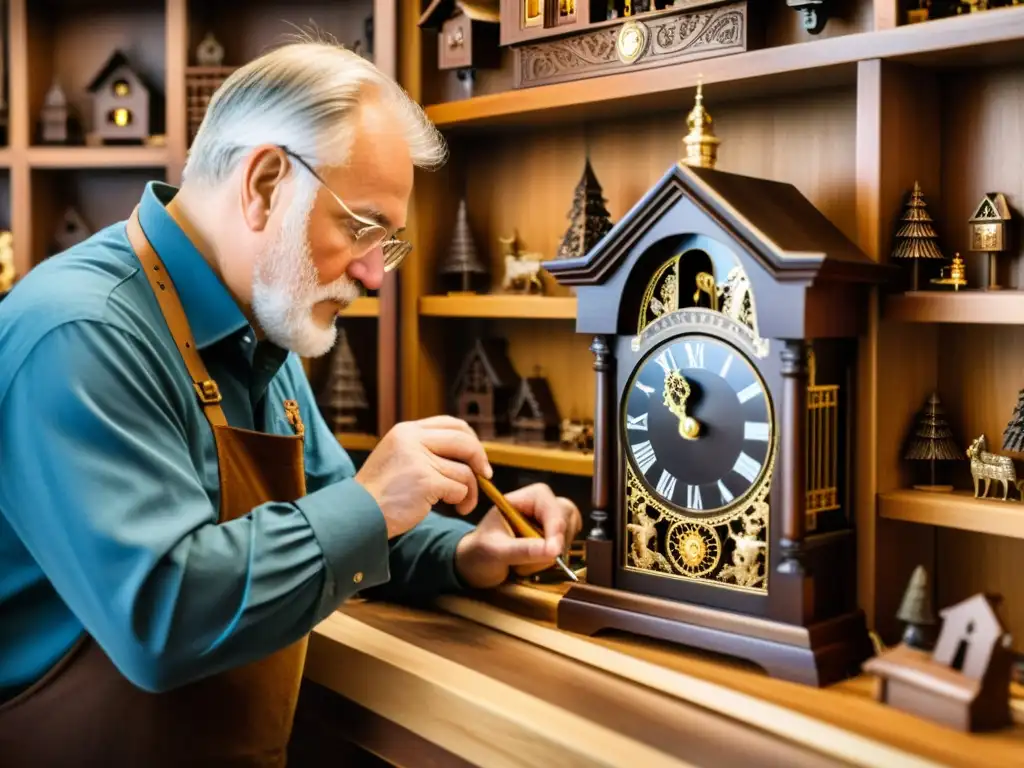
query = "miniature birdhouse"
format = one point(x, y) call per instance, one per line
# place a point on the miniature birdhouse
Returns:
point(484, 387)
point(123, 102)
point(468, 32)
point(54, 119)
point(965, 682)
point(988, 224)
point(209, 52)
point(533, 414)
point(71, 230)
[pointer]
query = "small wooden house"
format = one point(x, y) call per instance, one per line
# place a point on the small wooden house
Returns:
point(124, 102)
point(484, 387)
point(965, 682)
point(988, 224)
point(468, 32)
point(55, 117)
point(533, 414)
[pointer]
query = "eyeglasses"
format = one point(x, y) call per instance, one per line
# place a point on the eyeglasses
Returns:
point(370, 234)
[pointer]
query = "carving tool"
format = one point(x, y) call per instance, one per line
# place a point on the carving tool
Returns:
point(517, 520)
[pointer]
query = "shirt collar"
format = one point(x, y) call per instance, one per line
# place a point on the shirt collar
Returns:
point(212, 312)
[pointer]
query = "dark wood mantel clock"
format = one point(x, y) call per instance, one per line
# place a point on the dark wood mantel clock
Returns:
point(725, 312)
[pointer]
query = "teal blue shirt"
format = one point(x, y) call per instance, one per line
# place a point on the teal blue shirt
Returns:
point(109, 487)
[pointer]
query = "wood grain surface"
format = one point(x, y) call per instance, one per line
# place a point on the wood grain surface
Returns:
point(849, 705)
point(495, 700)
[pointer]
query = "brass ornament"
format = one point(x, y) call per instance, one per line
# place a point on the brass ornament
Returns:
point(954, 274)
point(700, 145)
point(694, 549)
point(632, 41)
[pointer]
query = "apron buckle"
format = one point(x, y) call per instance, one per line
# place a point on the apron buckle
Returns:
point(208, 391)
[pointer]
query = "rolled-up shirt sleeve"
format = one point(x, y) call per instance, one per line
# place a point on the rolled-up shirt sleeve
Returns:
point(99, 480)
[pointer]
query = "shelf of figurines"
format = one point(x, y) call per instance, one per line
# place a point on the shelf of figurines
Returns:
point(464, 275)
point(939, 289)
point(994, 502)
point(565, 62)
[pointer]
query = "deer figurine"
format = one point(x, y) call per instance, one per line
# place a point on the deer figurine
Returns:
point(987, 467)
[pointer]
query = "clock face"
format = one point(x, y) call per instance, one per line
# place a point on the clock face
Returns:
point(698, 424)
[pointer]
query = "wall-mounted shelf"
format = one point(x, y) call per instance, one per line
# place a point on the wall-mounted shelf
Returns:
point(503, 306)
point(958, 509)
point(992, 36)
point(364, 306)
point(1001, 307)
point(357, 441)
point(537, 458)
point(97, 157)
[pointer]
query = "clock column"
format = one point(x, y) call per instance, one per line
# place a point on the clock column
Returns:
point(599, 543)
point(791, 577)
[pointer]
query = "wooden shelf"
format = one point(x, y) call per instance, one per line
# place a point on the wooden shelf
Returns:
point(364, 306)
point(959, 510)
point(356, 441)
point(981, 38)
point(537, 458)
point(97, 157)
point(1005, 307)
point(505, 306)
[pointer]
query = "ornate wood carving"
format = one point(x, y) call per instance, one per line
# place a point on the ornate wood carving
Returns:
point(667, 39)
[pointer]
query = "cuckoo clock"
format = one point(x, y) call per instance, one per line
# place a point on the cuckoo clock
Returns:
point(124, 102)
point(484, 387)
point(724, 312)
point(467, 35)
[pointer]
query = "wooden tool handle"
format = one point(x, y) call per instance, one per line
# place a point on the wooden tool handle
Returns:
point(516, 519)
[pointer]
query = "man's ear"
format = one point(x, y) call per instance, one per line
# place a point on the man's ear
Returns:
point(262, 175)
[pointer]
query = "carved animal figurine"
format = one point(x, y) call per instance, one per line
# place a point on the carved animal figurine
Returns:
point(522, 273)
point(990, 466)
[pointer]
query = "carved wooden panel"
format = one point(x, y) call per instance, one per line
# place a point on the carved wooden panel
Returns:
point(667, 39)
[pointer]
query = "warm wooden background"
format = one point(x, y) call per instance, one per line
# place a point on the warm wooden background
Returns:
point(852, 119)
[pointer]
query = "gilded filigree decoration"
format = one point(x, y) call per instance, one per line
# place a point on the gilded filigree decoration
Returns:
point(687, 35)
point(727, 549)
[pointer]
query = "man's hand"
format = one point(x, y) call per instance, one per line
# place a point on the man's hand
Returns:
point(419, 463)
point(483, 556)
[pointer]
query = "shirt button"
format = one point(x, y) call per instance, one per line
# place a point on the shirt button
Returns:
point(246, 339)
point(358, 577)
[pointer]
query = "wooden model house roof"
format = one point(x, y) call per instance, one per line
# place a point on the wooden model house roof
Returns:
point(993, 207)
point(439, 11)
point(118, 59)
point(918, 669)
point(975, 621)
point(534, 395)
point(493, 355)
point(783, 230)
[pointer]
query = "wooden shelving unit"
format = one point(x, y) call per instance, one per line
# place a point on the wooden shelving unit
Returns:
point(976, 307)
point(69, 40)
point(959, 510)
point(539, 458)
point(525, 307)
point(357, 441)
point(852, 117)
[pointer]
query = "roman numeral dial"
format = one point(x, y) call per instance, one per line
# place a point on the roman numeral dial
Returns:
point(727, 395)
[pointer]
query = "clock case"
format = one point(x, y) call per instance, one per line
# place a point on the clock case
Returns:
point(811, 288)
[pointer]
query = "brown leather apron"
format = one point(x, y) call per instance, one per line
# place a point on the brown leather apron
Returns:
point(84, 713)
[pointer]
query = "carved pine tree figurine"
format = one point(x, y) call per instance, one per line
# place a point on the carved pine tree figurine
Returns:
point(932, 441)
point(589, 219)
point(1013, 436)
point(916, 611)
point(345, 396)
point(463, 271)
point(916, 238)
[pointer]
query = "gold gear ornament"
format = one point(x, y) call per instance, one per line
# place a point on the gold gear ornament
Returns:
point(693, 548)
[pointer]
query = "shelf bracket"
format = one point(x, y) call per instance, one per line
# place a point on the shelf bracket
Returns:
point(815, 13)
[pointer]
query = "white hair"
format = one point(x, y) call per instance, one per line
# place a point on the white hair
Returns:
point(304, 96)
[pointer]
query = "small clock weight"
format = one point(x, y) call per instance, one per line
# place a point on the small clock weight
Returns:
point(725, 311)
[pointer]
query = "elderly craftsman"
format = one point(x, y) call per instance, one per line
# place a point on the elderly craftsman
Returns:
point(175, 515)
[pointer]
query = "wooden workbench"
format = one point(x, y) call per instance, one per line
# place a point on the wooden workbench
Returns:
point(467, 682)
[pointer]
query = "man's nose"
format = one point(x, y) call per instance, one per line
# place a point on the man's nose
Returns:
point(369, 269)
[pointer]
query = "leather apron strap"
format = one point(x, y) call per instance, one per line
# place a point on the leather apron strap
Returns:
point(163, 288)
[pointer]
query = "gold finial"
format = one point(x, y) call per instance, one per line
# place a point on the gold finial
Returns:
point(700, 144)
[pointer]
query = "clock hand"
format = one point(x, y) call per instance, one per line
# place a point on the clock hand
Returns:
point(676, 392)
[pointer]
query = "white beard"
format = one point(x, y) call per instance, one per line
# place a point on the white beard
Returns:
point(285, 284)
